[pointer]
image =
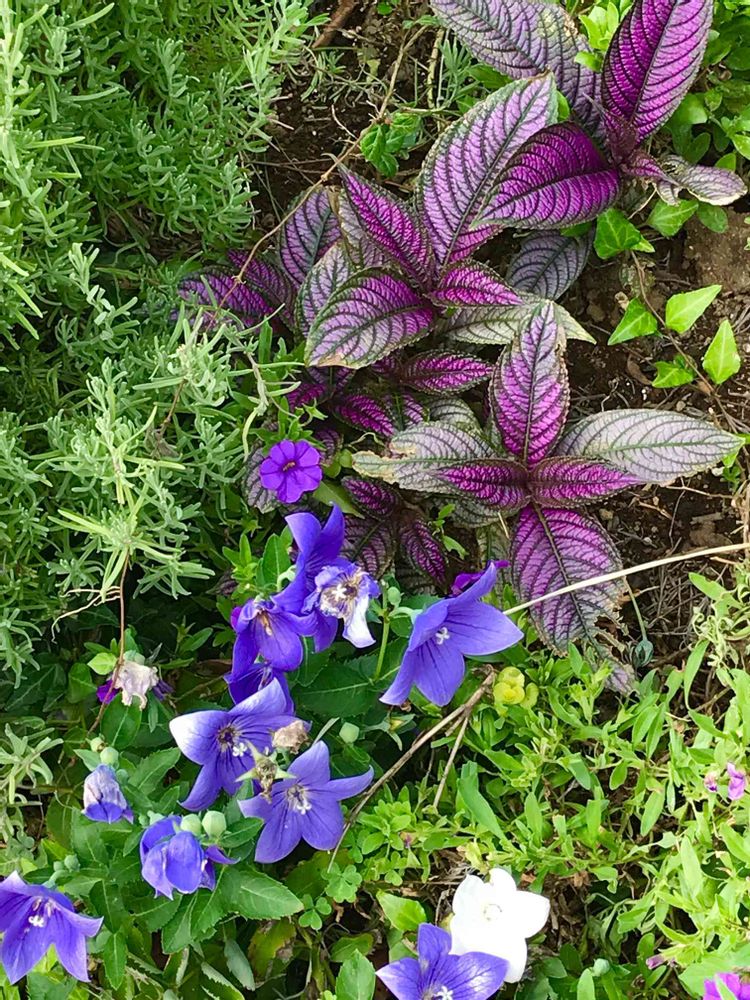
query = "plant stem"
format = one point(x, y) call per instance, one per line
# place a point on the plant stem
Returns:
point(383, 643)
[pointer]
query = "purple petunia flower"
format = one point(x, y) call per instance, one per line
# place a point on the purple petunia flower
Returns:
point(32, 918)
point(441, 976)
point(304, 806)
point(291, 469)
point(463, 580)
point(172, 858)
point(246, 680)
point(225, 743)
point(732, 982)
point(268, 628)
point(103, 801)
point(343, 592)
point(737, 782)
point(443, 635)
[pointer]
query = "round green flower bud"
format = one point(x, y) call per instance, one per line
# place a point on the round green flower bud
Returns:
point(109, 756)
point(97, 744)
point(214, 824)
point(72, 863)
point(193, 824)
point(349, 733)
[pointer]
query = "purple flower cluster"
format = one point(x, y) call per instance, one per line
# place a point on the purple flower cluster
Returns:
point(173, 858)
point(736, 785)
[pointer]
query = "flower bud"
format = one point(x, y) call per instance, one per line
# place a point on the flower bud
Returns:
point(97, 744)
point(349, 733)
point(109, 756)
point(214, 824)
point(509, 687)
point(192, 824)
point(71, 862)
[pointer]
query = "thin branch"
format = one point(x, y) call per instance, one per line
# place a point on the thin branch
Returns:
point(338, 20)
point(449, 763)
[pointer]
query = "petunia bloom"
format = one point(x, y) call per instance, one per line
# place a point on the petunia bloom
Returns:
point(494, 917)
point(267, 628)
point(133, 679)
point(225, 742)
point(344, 593)
point(291, 469)
point(305, 806)
point(731, 981)
point(737, 782)
point(443, 635)
point(103, 800)
point(172, 858)
point(33, 917)
point(439, 975)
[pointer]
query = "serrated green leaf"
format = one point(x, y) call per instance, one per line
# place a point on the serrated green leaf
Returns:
point(637, 321)
point(114, 955)
point(152, 769)
point(120, 723)
point(685, 308)
point(256, 896)
point(238, 964)
point(722, 359)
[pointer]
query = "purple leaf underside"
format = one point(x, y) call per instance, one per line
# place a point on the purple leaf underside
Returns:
point(372, 315)
point(256, 495)
point(222, 294)
point(473, 284)
point(654, 446)
point(552, 549)
point(499, 483)
point(372, 497)
point(529, 392)
point(443, 372)
point(370, 543)
point(653, 58)
point(560, 481)
point(326, 277)
point(422, 550)
point(556, 179)
point(461, 170)
point(547, 264)
point(307, 234)
point(714, 185)
point(523, 38)
point(487, 325)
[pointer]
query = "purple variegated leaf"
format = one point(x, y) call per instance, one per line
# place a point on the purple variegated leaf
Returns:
point(393, 226)
point(361, 249)
point(524, 38)
point(306, 394)
point(264, 276)
point(450, 410)
point(256, 495)
point(552, 549)
point(372, 497)
point(489, 325)
point(325, 278)
point(317, 384)
point(461, 170)
point(499, 483)
point(370, 543)
point(714, 185)
point(655, 446)
point(564, 481)
point(547, 264)
point(372, 315)
point(310, 230)
point(365, 412)
point(557, 178)
point(422, 550)
point(223, 295)
point(415, 457)
point(472, 284)
point(644, 167)
point(443, 372)
point(653, 58)
point(328, 441)
point(529, 391)
point(622, 138)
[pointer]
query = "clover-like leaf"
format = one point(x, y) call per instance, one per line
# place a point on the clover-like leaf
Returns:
point(373, 314)
point(472, 284)
point(564, 481)
point(557, 178)
point(497, 483)
point(547, 264)
point(552, 549)
point(654, 446)
point(325, 278)
point(461, 170)
point(310, 230)
point(714, 185)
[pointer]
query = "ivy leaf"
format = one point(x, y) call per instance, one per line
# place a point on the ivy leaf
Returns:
point(637, 321)
point(669, 219)
point(685, 308)
point(672, 373)
point(722, 359)
point(615, 233)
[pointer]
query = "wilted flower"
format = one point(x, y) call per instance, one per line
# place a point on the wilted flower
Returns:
point(494, 917)
point(103, 800)
point(33, 917)
point(439, 975)
point(344, 592)
point(737, 782)
point(134, 679)
point(225, 743)
point(711, 781)
point(268, 628)
point(304, 806)
point(291, 469)
point(174, 858)
point(443, 635)
point(731, 981)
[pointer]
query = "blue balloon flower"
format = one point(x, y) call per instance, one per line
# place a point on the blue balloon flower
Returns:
point(172, 858)
point(103, 800)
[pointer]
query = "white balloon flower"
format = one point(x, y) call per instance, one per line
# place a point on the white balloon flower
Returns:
point(495, 918)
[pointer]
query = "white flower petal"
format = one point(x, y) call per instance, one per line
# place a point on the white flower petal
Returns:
point(514, 951)
point(530, 913)
point(503, 886)
point(470, 934)
point(470, 897)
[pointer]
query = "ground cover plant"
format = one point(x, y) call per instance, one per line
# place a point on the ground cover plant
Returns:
point(357, 639)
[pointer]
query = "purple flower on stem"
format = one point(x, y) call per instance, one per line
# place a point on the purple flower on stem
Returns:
point(443, 635)
point(344, 592)
point(33, 917)
point(305, 806)
point(737, 782)
point(463, 580)
point(731, 981)
point(268, 628)
point(291, 469)
point(225, 743)
point(103, 801)
point(172, 858)
point(246, 680)
point(441, 976)
point(711, 782)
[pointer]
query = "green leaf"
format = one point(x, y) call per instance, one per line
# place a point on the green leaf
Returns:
point(152, 769)
point(637, 321)
point(402, 913)
point(691, 867)
point(214, 986)
point(80, 685)
point(346, 946)
point(586, 988)
point(722, 359)
point(238, 964)
point(671, 373)
point(713, 217)
point(615, 233)
point(340, 690)
point(256, 896)
point(477, 805)
point(669, 219)
point(652, 811)
point(356, 979)
point(177, 933)
point(274, 561)
point(120, 723)
point(42, 987)
point(687, 307)
point(114, 955)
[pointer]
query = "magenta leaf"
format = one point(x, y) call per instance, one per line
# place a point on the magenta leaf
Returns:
point(529, 391)
point(361, 249)
point(552, 549)
point(557, 178)
point(393, 226)
point(365, 412)
point(264, 276)
point(372, 497)
point(714, 185)
point(310, 230)
point(422, 550)
point(461, 170)
point(653, 58)
point(224, 298)
point(373, 314)
point(524, 38)
point(443, 371)
point(256, 495)
point(371, 544)
point(472, 284)
point(562, 481)
point(547, 264)
point(498, 483)
point(325, 278)
point(655, 446)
